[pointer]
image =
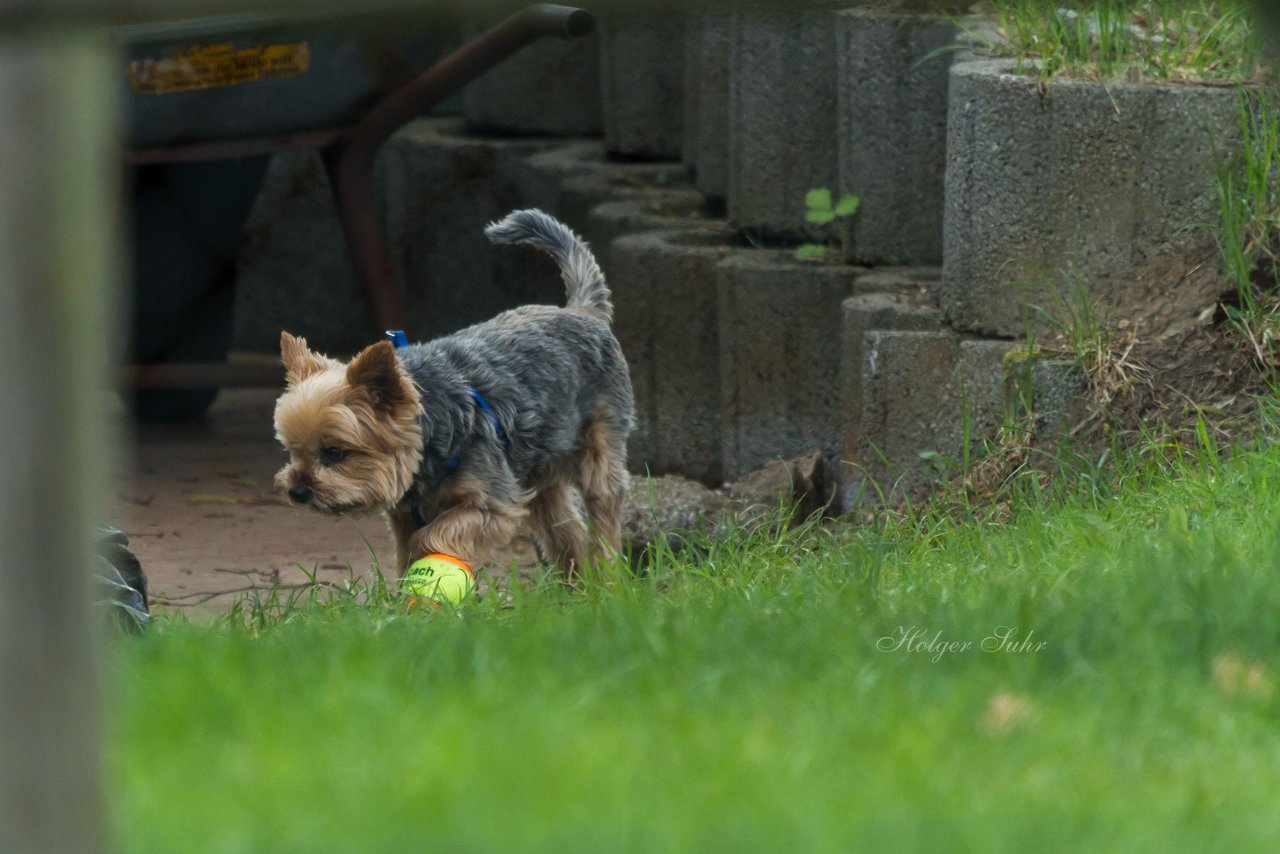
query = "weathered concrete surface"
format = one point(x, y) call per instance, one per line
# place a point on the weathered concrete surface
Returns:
point(439, 188)
point(1052, 392)
point(443, 187)
point(633, 322)
point(782, 126)
point(923, 393)
point(1102, 181)
point(780, 328)
point(294, 270)
point(706, 99)
point(551, 86)
point(650, 210)
point(570, 179)
point(665, 298)
point(887, 305)
point(893, 131)
point(642, 79)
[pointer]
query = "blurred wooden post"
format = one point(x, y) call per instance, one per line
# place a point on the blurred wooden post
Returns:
point(59, 171)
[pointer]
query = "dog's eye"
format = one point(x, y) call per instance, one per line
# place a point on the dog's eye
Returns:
point(332, 456)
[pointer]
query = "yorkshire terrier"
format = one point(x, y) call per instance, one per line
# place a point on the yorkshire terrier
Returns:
point(468, 440)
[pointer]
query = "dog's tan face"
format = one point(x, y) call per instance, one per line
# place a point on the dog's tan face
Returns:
point(352, 430)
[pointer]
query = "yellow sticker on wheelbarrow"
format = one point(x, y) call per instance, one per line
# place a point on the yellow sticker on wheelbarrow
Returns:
point(211, 66)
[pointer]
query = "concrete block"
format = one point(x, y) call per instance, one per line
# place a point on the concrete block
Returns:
point(652, 210)
point(642, 80)
point(923, 393)
point(665, 298)
point(1059, 391)
point(977, 394)
point(893, 131)
point(439, 187)
point(782, 126)
point(1053, 392)
point(780, 329)
point(552, 86)
point(901, 307)
point(706, 99)
point(294, 271)
point(1108, 182)
point(443, 187)
point(570, 179)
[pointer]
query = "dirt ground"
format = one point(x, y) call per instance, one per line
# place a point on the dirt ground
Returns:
point(196, 502)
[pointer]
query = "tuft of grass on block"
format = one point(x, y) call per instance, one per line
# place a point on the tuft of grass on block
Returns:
point(1209, 41)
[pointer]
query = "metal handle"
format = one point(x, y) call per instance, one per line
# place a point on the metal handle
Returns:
point(350, 163)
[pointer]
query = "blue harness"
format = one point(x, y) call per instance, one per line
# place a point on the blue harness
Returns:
point(399, 341)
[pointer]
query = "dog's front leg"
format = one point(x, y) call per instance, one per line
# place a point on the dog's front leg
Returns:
point(479, 512)
point(400, 521)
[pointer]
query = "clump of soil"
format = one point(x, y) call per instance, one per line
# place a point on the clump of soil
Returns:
point(1155, 377)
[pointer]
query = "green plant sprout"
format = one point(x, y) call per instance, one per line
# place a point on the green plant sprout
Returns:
point(820, 208)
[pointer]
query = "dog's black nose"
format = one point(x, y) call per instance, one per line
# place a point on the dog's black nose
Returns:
point(299, 494)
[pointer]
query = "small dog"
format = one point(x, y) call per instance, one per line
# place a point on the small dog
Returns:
point(463, 441)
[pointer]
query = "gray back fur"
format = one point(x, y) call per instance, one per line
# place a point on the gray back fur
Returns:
point(546, 372)
point(582, 276)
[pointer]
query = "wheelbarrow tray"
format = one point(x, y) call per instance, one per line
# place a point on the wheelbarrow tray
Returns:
point(224, 78)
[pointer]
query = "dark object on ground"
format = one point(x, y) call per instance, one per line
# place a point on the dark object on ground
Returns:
point(120, 586)
point(682, 510)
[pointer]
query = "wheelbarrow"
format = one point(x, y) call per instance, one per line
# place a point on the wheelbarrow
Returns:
point(210, 100)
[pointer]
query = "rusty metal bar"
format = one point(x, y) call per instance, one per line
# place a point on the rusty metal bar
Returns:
point(194, 375)
point(350, 163)
point(228, 149)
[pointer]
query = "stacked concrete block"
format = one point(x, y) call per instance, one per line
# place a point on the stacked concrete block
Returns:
point(552, 86)
point(924, 393)
point(877, 311)
point(782, 125)
point(642, 80)
point(666, 318)
point(706, 99)
point(1103, 181)
point(978, 395)
point(571, 178)
point(439, 187)
point(1051, 392)
point(294, 269)
point(649, 211)
point(780, 331)
point(653, 210)
point(443, 187)
point(893, 77)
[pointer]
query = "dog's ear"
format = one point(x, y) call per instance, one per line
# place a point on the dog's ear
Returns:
point(377, 371)
point(299, 361)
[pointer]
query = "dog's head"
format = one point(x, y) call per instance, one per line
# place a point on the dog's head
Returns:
point(351, 430)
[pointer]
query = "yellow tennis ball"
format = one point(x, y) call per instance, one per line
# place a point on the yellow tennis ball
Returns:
point(437, 579)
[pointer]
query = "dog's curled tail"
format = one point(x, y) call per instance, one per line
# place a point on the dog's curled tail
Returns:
point(582, 276)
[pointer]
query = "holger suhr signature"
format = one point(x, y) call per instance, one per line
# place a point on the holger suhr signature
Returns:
point(920, 641)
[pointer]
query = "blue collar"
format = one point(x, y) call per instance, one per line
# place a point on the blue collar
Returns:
point(399, 341)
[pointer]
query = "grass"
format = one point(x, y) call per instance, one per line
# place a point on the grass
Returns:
point(1249, 232)
point(1170, 40)
point(758, 697)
